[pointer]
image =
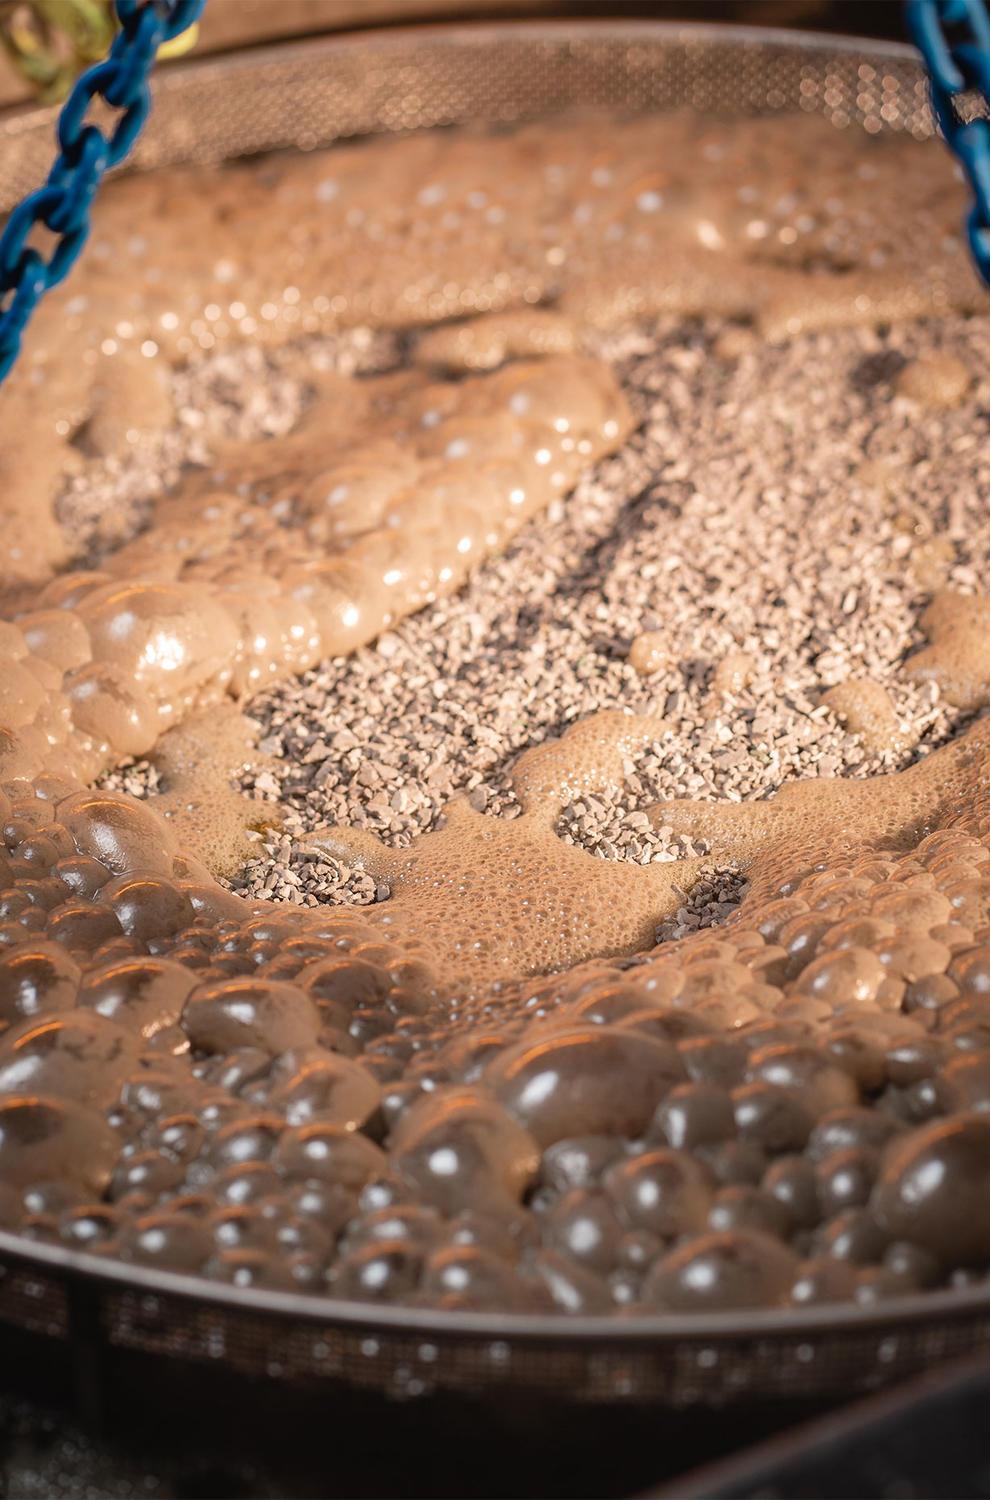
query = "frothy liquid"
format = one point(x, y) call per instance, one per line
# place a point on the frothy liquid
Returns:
point(379, 504)
point(791, 225)
point(491, 899)
point(492, 1089)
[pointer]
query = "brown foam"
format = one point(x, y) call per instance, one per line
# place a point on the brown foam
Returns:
point(830, 819)
point(937, 379)
point(490, 899)
point(649, 653)
point(787, 226)
point(958, 659)
point(198, 760)
point(220, 596)
point(485, 343)
point(256, 1051)
point(733, 673)
point(865, 707)
point(329, 1099)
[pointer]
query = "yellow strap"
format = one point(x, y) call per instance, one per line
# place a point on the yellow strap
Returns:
point(50, 42)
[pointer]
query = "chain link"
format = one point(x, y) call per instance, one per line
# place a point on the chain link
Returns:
point(62, 205)
point(953, 37)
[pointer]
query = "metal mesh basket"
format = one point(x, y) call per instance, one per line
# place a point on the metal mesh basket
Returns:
point(311, 93)
point(307, 95)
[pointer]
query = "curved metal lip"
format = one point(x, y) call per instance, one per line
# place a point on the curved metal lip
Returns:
point(535, 30)
point(605, 1331)
point(560, 1329)
point(487, 33)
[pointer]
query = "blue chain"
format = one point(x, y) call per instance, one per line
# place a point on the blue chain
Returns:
point(953, 37)
point(85, 155)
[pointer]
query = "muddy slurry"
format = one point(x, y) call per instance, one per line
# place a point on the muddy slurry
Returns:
point(495, 807)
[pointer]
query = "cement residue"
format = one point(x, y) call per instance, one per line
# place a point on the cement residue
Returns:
point(492, 1089)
